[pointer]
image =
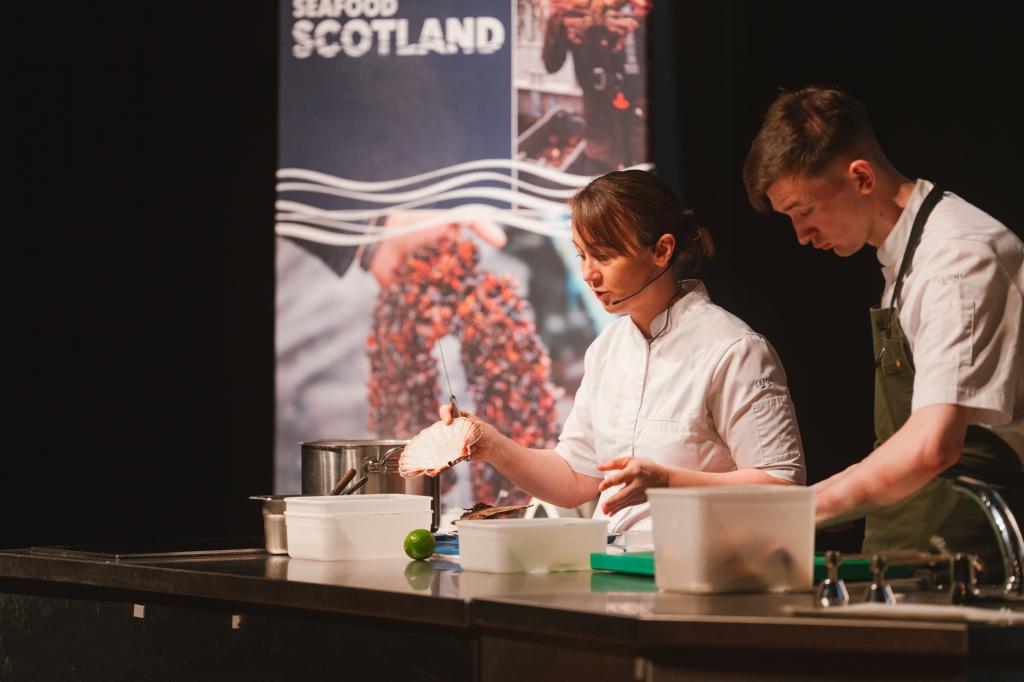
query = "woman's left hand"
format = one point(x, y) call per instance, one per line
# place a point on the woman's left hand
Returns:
point(636, 475)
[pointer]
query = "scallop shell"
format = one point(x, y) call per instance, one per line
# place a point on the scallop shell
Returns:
point(438, 447)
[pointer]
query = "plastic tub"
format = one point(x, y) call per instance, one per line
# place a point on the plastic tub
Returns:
point(353, 536)
point(357, 504)
point(326, 528)
point(638, 540)
point(733, 539)
point(530, 545)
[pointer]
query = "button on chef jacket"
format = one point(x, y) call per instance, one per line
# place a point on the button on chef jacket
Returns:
point(962, 311)
point(707, 394)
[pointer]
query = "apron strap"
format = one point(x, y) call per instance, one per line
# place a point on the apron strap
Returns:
point(912, 241)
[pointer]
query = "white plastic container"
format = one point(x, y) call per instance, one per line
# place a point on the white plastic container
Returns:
point(733, 538)
point(357, 504)
point(327, 528)
point(530, 545)
point(638, 540)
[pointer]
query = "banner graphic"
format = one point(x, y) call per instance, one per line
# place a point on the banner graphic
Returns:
point(427, 152)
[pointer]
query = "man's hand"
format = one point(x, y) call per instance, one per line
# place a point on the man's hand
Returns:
point(636, 476)
point(393, 250)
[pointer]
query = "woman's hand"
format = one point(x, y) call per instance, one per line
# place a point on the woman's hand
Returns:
point(636, 475)
point(488, 434)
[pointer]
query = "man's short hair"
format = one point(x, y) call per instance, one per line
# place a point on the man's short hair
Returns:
point(802, 133)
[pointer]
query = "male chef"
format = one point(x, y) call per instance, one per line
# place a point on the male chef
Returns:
point(948, 345)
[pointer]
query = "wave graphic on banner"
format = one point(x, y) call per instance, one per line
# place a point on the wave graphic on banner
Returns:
point(540, 209)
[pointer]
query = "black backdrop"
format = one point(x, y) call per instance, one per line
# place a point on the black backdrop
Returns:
point(139, 250)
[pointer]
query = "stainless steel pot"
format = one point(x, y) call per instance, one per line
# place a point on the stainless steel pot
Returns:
point(325, 461)
point(274, 530)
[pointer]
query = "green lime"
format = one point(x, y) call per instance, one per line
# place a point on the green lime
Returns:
point(419, 544)
point(420, 575)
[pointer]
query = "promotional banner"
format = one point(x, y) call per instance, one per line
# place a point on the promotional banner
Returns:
point(427, 152)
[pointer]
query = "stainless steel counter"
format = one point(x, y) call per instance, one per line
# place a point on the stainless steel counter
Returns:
point(583, 610)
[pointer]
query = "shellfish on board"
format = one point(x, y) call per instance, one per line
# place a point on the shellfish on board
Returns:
point(482, 510)
point(438, 447)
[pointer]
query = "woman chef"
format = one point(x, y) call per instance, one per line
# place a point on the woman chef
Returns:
point(676, 392)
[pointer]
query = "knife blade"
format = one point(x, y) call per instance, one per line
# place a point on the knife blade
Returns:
point(456, 413)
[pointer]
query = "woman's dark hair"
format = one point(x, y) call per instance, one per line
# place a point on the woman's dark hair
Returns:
point(802, 133)
point(625, 211)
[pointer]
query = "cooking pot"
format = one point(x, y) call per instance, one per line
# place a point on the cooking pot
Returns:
point(325, 461)
point(274, 530)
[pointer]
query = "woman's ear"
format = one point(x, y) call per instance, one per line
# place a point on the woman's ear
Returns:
point(664, 249)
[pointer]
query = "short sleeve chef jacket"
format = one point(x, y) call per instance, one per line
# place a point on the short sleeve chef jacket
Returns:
point(708, 394)
point(961, 311)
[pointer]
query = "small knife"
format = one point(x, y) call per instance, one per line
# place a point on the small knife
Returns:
point(456, 413)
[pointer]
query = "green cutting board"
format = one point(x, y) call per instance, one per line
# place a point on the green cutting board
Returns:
point(635, 563)
point(642, 563)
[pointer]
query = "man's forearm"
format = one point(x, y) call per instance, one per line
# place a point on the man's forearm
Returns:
point(928, 443)
point(822, 486)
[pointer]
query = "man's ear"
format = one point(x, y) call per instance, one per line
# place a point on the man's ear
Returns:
point(862, 173)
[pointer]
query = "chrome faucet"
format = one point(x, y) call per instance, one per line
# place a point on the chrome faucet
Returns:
point(1006, 527)
point(963, 587)
point(879, 591)
point(832, 590)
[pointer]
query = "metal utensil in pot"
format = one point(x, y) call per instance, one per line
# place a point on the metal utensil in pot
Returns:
point(343, 482)
point(354, 488)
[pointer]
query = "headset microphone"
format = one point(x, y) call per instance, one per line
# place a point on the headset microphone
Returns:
point(646, 284)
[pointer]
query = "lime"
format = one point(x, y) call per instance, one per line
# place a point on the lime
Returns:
point(420, 575)
point(419, 544)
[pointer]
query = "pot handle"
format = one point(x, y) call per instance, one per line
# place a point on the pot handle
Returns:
point(372, 464)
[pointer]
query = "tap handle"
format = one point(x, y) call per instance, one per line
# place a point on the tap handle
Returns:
point(832, 561)
point(832, 590)
point(939, 543)
point(965, 567)
point(879, 592)
point(878, 566)
point(964, 587)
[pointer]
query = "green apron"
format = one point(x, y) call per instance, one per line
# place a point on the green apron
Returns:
point(936, 509)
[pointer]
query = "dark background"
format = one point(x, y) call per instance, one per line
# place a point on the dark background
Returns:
point(140, 249)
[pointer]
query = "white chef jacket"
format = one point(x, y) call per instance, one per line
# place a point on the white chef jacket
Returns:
point(961, 311)
point(708, 394)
